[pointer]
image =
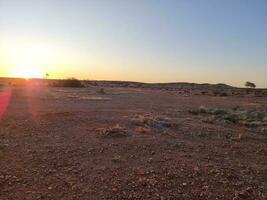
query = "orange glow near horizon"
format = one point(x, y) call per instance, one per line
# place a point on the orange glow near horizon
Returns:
point(26, 58)
point(32, 58)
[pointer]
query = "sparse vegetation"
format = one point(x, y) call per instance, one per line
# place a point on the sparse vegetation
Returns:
point(157, 144)
point(223, 94)
point(219, 92)
point(71, 82)
point(151, 122)
point(251, 118)
point(215, 92)
point(115, 132)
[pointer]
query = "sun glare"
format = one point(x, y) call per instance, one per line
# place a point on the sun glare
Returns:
point(26, 58)
point(27, 72)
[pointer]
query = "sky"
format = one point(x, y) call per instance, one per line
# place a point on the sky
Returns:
point(136, 40)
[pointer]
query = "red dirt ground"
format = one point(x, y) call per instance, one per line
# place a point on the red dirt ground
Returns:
point(51, 147)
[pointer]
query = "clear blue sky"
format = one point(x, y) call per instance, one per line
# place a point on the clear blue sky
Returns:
point(140, 40)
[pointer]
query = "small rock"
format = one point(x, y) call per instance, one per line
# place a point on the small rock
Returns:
point(184, 184)
point(196, 168)
point(116, 158)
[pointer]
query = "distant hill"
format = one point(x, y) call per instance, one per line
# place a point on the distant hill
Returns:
point(175, 85)
point(103, 83)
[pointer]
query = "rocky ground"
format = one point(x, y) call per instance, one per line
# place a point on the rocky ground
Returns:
point(131, 143)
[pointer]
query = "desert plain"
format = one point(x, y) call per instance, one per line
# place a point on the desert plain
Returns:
point(107, 141)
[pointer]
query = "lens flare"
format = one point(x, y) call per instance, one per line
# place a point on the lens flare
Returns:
point(27, 72)
point(4, 102)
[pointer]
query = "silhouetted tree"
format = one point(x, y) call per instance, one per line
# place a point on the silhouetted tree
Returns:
point(46, 76)
point(250, 85)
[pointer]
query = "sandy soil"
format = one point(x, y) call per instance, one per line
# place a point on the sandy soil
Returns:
point(57, 143)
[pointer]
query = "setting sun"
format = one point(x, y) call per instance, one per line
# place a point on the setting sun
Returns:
point(27, 72)
point(26, 58)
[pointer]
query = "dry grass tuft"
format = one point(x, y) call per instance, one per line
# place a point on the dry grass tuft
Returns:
point(115, 132)
point(143, 130)
point(250, 118)
point(149, 121)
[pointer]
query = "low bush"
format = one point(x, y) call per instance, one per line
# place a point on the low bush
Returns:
point(223, 94)
point(101, 91)
point(71, 82)
point(152, 121)
point(115, 132)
